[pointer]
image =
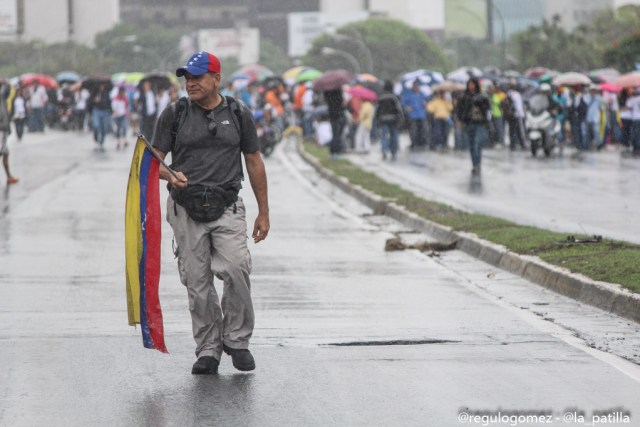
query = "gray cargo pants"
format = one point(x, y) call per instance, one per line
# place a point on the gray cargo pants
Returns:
point(208, 249)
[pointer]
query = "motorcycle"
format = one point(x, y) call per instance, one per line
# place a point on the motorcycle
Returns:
point(542, 127)
point(268, 135)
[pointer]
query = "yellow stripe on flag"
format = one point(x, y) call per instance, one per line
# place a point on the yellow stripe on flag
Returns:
point(133, 236)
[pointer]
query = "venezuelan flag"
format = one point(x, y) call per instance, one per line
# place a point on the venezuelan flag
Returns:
point(142, 246)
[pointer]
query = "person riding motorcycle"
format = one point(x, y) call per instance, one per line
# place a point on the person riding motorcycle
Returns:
point(542, 126)
point(554, 108)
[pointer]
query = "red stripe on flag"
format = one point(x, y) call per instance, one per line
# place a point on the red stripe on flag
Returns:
point(152, 267)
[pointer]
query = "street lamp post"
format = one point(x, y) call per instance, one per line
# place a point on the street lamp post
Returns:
point(504, 36)
point(354, 62)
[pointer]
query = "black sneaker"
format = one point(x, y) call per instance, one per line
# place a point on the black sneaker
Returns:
point(205, 365)
point(241, 358)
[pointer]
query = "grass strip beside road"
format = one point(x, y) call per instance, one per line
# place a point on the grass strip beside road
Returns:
point(608, 261)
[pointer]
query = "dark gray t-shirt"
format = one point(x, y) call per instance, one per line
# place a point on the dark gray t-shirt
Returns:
point(205, 159)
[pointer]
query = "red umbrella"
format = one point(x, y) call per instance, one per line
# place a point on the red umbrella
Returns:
point(610, 87)
point(629, 80)
point(29, 79)
point(332, 80)
point(363, 93)
point(536, 72)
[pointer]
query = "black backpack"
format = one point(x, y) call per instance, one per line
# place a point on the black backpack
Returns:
point(508, 108)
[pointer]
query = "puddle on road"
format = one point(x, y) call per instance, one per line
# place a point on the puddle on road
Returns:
point(391, 342)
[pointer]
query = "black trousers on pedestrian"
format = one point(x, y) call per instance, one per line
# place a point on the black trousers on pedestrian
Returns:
point(147, 127)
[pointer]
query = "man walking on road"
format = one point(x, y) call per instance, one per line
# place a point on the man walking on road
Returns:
point(206, 135)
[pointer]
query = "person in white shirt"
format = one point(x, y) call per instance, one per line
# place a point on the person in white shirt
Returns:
point(120, 109)
point(5, 129)
point(19, 113)
point(80, 108)
point(163, 99)
point(38, 102)
point(516, 122)
point(633, 104)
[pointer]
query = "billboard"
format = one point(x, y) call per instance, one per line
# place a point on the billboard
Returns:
point(241, 43)
point(306, 26)
point(8, 16)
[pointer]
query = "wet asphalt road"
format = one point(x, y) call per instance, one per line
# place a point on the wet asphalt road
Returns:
point(330, 303)
point(596, 193)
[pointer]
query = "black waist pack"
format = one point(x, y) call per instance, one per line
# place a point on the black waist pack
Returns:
point(204, 204)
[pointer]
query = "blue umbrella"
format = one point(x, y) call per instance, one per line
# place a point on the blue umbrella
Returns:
point(68, 77)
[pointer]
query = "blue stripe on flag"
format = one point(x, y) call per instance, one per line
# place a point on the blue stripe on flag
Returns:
point(144, 176)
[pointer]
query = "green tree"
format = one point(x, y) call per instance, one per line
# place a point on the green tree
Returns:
point(479, 53)
point(549, 45)
point(383, 47)
point(591, 45)
point(126, 47)
point(274, 57)
point(624, 54)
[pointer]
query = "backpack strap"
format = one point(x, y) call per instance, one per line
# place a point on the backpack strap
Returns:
point(179, 107)
point(235, 105)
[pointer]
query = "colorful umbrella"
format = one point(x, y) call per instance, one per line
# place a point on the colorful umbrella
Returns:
point(29, 79)
point(535, 73)
point(363, 93)
point(605, 74)
point(366, 77)
point(332, 80)
point(308, 75)
point(292, 73)
point(629, 80)
point(251, 72)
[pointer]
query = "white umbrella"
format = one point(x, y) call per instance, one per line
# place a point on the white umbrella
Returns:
point(424, 78)
point(462, 74)
point(570, 79)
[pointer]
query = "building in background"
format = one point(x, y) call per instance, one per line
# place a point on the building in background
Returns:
point(305, 27)
point(427, 16)
point(508, 17)
point(573, 13)
point(56, 21)
point(269, 18)
point(466, 18)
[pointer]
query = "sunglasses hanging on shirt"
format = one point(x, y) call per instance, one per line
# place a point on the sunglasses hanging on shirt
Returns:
point(213, 125)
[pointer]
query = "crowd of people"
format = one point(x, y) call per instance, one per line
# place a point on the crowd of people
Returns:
point(479, 115)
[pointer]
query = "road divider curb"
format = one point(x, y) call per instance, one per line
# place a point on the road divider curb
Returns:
point(606, 296)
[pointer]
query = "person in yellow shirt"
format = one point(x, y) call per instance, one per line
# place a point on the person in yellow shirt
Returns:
point(362, 140)
point(440, 108)
point(497, 95)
